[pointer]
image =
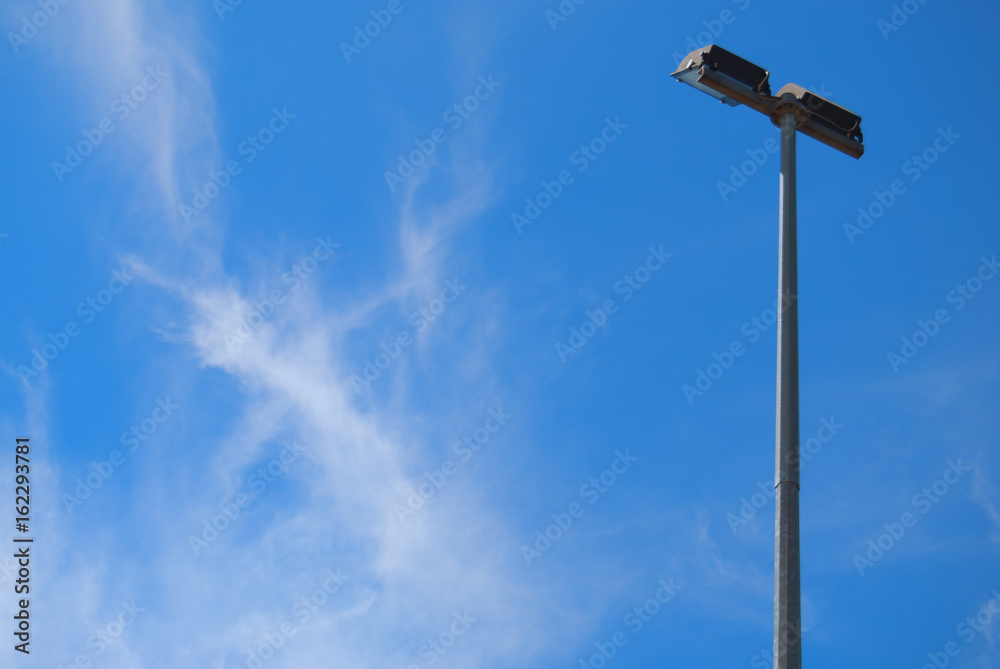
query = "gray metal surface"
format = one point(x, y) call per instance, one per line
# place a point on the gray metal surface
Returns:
point(787, 598)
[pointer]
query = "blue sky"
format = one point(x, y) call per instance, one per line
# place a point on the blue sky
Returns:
point(371, 351)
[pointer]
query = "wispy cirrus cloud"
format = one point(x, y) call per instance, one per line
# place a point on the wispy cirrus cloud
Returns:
point(332, 509)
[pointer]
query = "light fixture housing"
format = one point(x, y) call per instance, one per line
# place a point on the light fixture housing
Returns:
point(726, 77)
point(828, 122)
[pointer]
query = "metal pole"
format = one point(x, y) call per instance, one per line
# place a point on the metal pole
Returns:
point(787, 597)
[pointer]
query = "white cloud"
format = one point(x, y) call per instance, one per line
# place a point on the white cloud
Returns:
point(334, 509)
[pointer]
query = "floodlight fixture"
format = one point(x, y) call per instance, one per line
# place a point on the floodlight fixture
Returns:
point(828, 122)
point(725, 76)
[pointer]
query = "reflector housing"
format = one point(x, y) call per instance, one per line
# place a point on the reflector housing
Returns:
point(717, 60)
point(827, 122)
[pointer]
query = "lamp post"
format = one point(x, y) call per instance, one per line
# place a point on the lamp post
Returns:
point(735, 81)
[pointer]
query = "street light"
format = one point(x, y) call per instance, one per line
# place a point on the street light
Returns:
point(735, 81)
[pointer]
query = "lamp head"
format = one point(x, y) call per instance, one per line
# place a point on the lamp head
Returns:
point(723, 75)
point(828, 122)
